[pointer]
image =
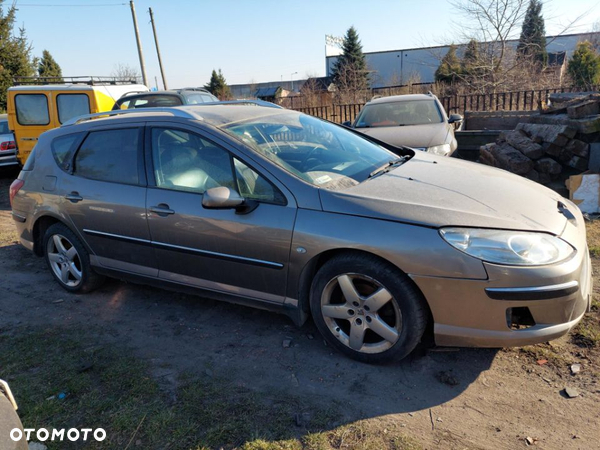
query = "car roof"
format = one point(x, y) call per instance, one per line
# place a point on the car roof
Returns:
point(402, 98)
point(214, 114)
point(3, 116)
point(150, 93)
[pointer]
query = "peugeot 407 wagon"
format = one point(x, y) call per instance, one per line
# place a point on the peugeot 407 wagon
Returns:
point(287, 212)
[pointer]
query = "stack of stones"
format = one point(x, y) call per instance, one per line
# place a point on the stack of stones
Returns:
point(555, 145)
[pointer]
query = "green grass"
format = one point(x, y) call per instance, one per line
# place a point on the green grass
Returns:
point(116, 392)
point(594, 251)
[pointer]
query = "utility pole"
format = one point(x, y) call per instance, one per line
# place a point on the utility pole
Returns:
point(139, 43)
point(162, 71)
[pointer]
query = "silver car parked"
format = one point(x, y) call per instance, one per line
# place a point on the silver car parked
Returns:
point(287, 212)
point(418, 121)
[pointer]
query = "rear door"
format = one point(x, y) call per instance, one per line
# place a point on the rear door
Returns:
point(105, 197)
point(69, 105)
point(30, 114)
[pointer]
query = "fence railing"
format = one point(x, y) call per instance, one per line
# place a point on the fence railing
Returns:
point(526, 100)
point(334, 113)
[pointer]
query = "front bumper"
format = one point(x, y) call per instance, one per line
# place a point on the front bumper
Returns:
point(477, 313)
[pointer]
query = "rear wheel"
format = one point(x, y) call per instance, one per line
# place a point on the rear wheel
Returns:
point(367, 309)
point(69, 261)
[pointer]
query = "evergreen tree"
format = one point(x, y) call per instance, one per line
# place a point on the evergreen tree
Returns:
point(450, 67)
point(470, 61)
point(48, 67)
point(15, 53)
point(584, 66)
point(350, 70)
point(532, 43)
point(217, 86)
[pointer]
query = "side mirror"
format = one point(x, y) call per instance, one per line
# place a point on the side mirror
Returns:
point(455, 118)
point(347, 123)
point(224, 198)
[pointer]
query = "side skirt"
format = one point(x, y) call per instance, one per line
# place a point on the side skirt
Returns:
point(294, 313)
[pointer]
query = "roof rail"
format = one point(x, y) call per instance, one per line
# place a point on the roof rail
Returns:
point(89, 80)
point(174, 111)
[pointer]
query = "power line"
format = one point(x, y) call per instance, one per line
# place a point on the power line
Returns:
point(65, 5)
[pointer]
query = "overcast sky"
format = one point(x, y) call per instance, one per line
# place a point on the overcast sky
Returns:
point(251, 41)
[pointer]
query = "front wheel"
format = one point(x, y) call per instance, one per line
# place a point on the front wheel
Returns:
point(367, 309)
point(69, 261)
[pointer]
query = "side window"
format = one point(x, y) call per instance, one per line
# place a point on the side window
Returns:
point(72, 105)
point(110, 155)
point(253, 186)
point(185, 161)
point(32, 109)
point(125, 104)
point(61, 149)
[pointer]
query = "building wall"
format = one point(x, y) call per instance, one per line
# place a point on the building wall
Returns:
point(396, 67)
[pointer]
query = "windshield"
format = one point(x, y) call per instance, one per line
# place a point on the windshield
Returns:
point(316, 151)
point(413, 112)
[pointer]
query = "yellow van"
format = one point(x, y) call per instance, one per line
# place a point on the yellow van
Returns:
point(35, 109)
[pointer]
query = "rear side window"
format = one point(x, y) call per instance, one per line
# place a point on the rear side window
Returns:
point(61, 149)
point(110, 155)
point(72, 105)
point(32, 109)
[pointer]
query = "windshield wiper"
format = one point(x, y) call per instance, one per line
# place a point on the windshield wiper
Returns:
point(389, 166)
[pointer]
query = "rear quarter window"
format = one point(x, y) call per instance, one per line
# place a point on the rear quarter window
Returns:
point(32, 109)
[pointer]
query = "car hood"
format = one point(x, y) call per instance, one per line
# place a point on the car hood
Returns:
point(418, 136)
point(439, 191)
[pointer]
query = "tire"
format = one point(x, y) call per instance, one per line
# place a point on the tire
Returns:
point(367, 309)
point(69, 261)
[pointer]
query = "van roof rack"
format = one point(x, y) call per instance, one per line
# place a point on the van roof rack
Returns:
point(173, 111)
point(88, 80)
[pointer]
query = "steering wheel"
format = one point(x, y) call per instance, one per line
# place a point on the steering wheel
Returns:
point(310, 154)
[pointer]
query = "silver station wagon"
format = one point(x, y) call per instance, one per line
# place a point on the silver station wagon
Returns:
point(287, 212)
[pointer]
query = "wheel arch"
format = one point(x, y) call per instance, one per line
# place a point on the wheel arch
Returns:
point(41, 224)
point(312, 267)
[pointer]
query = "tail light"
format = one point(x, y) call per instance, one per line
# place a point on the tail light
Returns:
point(7, 145)
point(14, 188)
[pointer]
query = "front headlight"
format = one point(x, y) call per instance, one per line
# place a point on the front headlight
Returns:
point(441, 150)
point(518, 248)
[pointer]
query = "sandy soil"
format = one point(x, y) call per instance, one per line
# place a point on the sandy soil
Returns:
point(502, 396)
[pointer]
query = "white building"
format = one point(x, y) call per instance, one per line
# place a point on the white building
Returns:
point(397, 67)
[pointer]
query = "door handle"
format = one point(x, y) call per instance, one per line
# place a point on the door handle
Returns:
point(162, 210)
point(74, 197)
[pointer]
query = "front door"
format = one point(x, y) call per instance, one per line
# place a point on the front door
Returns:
point(220, 250)
point(105, 198)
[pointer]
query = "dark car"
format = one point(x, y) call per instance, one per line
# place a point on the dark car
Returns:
point(176, 97)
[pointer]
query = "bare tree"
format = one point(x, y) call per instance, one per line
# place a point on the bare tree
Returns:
point(125, 72)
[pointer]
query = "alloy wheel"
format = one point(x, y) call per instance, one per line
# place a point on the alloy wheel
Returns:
point(360, 312)
point(64, 260)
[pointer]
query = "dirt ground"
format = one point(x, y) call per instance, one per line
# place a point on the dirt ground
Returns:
point(500, 397)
